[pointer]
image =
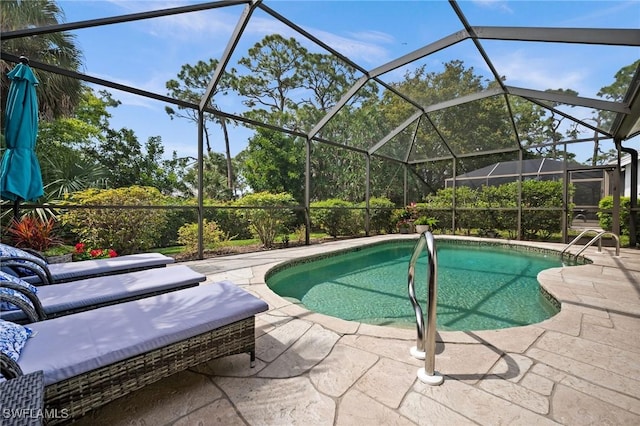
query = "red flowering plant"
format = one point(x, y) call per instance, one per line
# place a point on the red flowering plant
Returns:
point(82, 252)
point(407, 216)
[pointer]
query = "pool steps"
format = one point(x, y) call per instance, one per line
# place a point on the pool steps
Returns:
point(597, 238)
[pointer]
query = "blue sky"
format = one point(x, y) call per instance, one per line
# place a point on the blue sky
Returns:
point(145, 54)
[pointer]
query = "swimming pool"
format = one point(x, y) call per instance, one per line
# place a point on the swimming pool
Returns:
point(480, 287)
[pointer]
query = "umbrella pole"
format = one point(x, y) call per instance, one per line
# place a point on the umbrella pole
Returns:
point(16, 210)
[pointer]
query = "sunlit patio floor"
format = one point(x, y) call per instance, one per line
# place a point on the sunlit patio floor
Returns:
point(580, 367)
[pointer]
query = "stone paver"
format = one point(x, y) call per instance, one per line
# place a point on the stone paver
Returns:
point(292, 401)
point(356, 408)
point(580, 367)
point(341, 369)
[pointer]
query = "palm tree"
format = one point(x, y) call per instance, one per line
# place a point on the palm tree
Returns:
point(57, 94)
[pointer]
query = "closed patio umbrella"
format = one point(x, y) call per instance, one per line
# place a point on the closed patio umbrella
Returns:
point(20, 176)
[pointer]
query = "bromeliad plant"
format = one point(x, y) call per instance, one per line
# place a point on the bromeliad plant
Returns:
point(82, 252)
point(34, 233)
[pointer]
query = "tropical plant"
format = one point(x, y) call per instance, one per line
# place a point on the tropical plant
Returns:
point(425, 220)
point(34, 233)
point(72, 173)
point(57, 94)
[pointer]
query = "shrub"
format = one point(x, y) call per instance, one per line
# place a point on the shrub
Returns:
point(605, 218)
point(380, 210)
point(267, 223)
point(230, 221)
point(335, 217)
point(212, 236)
point(126, 230)
point(536, 194)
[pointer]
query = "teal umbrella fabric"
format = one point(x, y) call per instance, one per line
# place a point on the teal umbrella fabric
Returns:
point(20, 175)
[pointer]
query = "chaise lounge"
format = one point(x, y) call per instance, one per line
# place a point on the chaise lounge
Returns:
point(91, 358)
point(35, 270)
point(91, 293)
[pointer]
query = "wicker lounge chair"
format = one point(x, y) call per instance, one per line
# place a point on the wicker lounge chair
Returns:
point(93, 357)
point(68, 298)
point(23, 263)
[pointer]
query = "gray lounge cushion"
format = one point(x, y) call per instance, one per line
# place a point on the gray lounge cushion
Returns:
point(100, 290)
point(74, 270)
point(74, 344)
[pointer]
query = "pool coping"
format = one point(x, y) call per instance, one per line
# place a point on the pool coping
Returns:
point(443, 238)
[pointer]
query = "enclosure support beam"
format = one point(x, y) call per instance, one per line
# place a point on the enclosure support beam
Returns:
point(307, 192)
point(200, 184)
point(453, 197)
point(405, 184)
point(615, 213)
point(519, 219)
point(565, 198)
point(226, 55)
point(603, 36)
point(562, 98)
point(633, 196)
point(367, 196)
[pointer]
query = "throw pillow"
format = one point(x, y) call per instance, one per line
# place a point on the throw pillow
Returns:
point(13, 337)
point(5, 277)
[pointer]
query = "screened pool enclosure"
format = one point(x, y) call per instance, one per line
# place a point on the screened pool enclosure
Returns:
point(443, 107)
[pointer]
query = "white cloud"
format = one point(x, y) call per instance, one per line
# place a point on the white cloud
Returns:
point(365, 46)
point(183, 26)
point(541, 73)
point(153, 83)
point(501, 5)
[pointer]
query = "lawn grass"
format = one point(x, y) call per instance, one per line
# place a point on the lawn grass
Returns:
point(175, 250)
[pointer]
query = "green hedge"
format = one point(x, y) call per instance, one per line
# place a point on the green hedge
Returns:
point(336, 217)
point(605, 218)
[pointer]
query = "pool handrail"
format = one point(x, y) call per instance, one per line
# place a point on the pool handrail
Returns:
point(597, 238)
point(425, 348)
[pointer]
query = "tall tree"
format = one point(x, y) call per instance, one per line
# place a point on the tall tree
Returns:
point(269, 79)
point(285, 85)
point(467, 128)
point(191, 85)
point(129, 163)
point(616, 92)
point(551, 125)
point(57, 95)
point(274, 162)
point(214, 181)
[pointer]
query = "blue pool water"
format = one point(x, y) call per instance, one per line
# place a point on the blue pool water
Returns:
point(479, 287)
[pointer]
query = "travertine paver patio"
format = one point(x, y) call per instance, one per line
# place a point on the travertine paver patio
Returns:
point(580, 367)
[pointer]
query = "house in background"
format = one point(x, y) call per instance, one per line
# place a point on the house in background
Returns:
point(591, 183)
point(625, 165)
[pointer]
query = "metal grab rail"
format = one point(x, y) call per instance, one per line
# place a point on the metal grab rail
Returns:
point(597, 238)
point(425, 349)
